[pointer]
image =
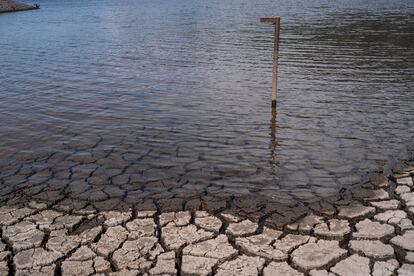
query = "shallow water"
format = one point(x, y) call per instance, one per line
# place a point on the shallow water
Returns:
point(174, 96)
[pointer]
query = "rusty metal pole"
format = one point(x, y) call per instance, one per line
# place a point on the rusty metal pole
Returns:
point(275, 20)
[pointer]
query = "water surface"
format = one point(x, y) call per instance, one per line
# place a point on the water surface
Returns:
point(173, 96)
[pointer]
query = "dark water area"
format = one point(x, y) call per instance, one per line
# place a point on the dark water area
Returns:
point(172, 98)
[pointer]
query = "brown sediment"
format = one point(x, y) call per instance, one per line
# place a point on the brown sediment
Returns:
point(13, 6)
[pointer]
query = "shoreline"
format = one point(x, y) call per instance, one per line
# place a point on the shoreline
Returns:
point(369, 232)
point(13, 6)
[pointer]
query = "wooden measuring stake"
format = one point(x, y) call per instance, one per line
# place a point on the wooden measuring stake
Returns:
point(275, 20)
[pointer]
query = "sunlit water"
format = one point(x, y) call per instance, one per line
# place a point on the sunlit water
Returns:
point(179, 91)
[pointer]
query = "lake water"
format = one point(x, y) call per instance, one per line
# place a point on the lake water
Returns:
point(173, 97)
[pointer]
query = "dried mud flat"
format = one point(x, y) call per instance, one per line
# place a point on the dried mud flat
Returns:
point(367, 230)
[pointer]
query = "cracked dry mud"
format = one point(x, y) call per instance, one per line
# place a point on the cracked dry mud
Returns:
point(50, 233)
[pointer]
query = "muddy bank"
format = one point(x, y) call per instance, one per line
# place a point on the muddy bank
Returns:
point(13, 6)
point(367, 230)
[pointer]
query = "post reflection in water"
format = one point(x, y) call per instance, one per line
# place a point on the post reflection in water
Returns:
point(273, 141)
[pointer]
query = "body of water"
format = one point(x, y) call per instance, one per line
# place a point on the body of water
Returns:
point(173, 97)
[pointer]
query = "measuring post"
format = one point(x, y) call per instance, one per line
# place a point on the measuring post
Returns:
point(275, 20)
